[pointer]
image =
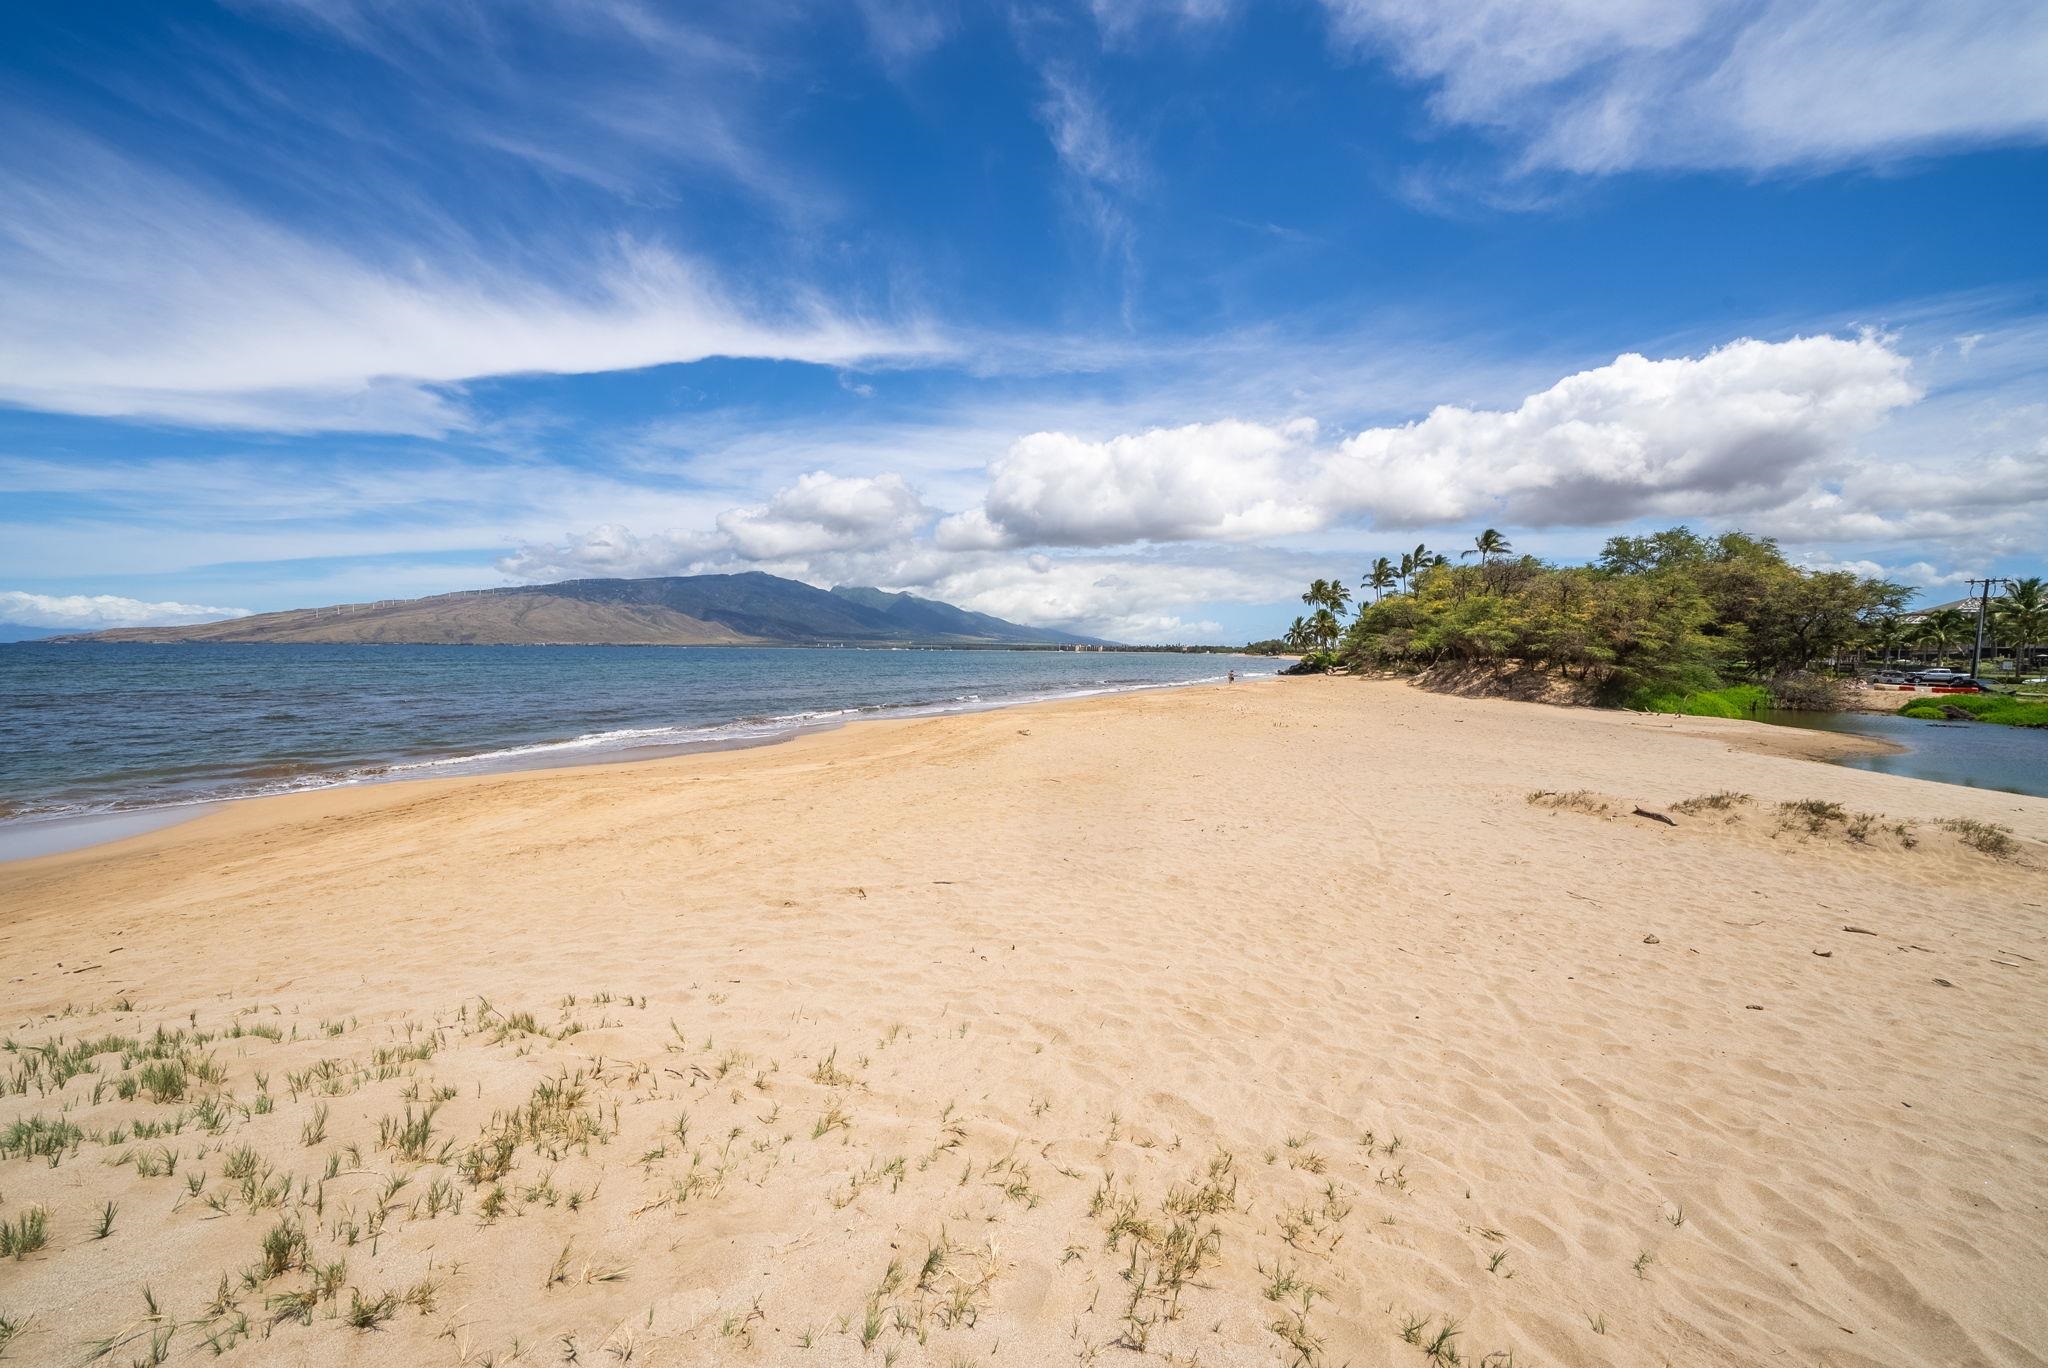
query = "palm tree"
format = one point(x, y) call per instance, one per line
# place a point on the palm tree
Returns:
point(2022, 617)
point(1297, 636)
point(1888, 633)
point(1413, 563)
point(1380, 578)
point(1330, 594)
point(1486, 546)
point(1942, 629)
point(1324, 627)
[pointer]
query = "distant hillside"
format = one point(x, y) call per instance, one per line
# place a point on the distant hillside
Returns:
point(923, 615)
point(697, 610)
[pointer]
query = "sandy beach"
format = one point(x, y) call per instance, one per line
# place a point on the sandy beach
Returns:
point(1266, 1024)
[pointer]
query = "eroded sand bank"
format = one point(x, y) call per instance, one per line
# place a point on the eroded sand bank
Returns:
point(1262, 1024)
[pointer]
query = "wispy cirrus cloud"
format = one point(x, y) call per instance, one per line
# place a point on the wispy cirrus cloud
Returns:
point(1599, 86)
point(903, 31)
point(634, 99)
point(1121, 20)
point(125, 292)
point(418, 196)
point(1103, 167)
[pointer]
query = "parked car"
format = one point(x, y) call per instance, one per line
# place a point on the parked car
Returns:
point(1937, 676)
point(1891, 677)
point(1967, 683)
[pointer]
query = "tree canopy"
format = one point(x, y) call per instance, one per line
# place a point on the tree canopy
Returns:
point(1670, 607)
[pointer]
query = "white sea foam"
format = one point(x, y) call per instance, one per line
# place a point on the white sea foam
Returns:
point(592, 747)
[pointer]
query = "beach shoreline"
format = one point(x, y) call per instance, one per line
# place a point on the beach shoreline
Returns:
point(923, 1037)
point(47, 837)
point(34, 835)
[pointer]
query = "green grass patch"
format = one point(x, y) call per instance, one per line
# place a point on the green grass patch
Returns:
point(1737, 700)
point(2011, 712)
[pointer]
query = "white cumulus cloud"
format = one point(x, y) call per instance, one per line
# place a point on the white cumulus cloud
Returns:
point(825, 512)
point(1741, 428)
point(89, 612)
point(1801, 439)
point(1225, 481)
point(1748, 426)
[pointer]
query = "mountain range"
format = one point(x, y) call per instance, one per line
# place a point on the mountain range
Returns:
point(751, 609)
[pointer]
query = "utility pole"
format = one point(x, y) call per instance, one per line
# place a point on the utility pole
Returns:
point(1983, 587)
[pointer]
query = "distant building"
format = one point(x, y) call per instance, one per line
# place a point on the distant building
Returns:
point(1995, 646)
point(1967, 605)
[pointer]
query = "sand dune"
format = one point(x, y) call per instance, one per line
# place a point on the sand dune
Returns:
point(1269, 1024)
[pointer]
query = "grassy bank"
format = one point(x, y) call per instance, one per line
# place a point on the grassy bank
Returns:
point(2011, 712)
point(1737, 700)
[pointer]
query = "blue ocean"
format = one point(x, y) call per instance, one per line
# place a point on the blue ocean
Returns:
point(103, 727)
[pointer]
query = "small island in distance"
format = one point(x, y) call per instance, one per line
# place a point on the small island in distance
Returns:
point(752, 609)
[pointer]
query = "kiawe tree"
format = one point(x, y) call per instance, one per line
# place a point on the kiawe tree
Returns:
point(1670, 610)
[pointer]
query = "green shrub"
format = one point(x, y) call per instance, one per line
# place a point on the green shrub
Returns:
point(1737, 700)
point(2000, 708)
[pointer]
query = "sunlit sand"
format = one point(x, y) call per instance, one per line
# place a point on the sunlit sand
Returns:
point(1262, 1024)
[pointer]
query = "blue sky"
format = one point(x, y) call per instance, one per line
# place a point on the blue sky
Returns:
point(1132, 316)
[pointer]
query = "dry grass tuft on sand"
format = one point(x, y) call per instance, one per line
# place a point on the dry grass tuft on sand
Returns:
point(386, 1175)
point(1306, 1024)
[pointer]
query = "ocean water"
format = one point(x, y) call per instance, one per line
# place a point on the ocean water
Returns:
point(107, 728)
